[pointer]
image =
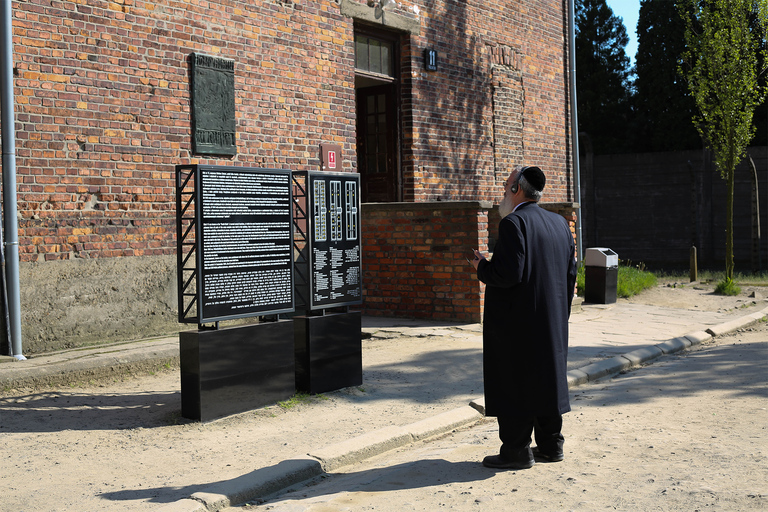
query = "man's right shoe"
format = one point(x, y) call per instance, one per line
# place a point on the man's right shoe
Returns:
point(555, 456)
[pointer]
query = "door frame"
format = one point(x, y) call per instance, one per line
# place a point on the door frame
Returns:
point(372, 79)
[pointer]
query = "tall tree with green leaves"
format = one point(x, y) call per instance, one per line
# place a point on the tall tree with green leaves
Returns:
point(602, 80)
point(722, 68)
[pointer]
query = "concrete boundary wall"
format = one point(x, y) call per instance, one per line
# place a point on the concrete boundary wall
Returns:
point(651, 208)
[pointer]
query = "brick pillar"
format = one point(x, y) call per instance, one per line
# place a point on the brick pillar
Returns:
point(414, 259)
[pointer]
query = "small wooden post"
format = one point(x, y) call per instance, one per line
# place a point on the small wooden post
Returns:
point(694, 273)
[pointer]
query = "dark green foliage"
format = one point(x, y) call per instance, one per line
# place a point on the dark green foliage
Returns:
point(602, 78)
point(722, 67)
point(663, 105)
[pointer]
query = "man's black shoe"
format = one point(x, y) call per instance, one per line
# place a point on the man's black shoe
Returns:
point(555, 456)
point(497, 462)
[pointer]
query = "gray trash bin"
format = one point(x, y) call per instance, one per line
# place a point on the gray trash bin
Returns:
point(601, 275)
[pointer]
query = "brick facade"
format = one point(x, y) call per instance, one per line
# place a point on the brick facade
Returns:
point(414, 263)
point(102, 98)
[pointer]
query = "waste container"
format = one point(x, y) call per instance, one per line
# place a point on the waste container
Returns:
point(601, 275)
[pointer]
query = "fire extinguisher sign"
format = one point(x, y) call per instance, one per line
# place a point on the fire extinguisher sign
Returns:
point(330, 157)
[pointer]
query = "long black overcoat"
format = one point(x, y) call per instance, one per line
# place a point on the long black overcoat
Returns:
point(530, 283)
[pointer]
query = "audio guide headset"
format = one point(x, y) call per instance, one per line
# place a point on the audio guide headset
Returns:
point(535, 178)
point(513, 188)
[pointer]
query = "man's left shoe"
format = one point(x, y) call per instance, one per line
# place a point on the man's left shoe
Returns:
point(554, 456)
point(497, 462)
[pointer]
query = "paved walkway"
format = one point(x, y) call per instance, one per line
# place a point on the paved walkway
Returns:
point(604, 340)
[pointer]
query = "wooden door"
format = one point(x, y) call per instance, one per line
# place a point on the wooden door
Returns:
point(377, 157)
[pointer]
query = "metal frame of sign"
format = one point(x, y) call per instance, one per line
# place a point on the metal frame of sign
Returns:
point(234, 242)
point(333, 252)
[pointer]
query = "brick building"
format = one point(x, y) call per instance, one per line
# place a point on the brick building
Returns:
point(430, 102)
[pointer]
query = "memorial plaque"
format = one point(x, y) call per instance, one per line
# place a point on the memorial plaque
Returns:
point(245, 242)
point(213, 105)
point(335, 252)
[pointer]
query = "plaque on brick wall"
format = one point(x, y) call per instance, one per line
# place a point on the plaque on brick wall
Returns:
point(213, 105)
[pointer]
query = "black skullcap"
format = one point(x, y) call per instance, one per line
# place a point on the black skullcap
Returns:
point(535, 177)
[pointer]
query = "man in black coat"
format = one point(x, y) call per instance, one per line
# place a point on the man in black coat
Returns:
point(530, 283)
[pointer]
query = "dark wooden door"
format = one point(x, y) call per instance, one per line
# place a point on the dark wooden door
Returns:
point(377, 143)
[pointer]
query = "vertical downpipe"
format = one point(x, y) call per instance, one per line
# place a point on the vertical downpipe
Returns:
point(10, 220)
point(575, 122)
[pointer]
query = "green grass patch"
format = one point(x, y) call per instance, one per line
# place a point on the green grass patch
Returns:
point(630, 281)
point(297, 399)
point(301, 398)
point(727, 287)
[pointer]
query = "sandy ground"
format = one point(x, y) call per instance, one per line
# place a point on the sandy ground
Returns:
point(698, 296)
point(121, 444)
point(687, 433)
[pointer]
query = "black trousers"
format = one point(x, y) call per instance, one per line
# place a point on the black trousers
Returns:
point(515, 434)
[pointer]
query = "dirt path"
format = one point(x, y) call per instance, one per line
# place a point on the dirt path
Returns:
point(687, 433)
point(120, 444)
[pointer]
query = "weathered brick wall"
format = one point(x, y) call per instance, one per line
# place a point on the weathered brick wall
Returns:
point(486, 52)
point(414, 263)
point(414, 259)
point(102, 95)
point(102, 98)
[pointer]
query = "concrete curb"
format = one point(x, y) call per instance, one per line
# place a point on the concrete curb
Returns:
point(94, 365)
point(262, 482)
point(266, 481)
point(739, 323)
point(361, 447)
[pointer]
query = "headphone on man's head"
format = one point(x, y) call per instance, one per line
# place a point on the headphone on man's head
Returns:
point(513, 188)
point(535, 182)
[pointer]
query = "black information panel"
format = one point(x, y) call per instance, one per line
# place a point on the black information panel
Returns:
point(245, 247)
point(334, 213)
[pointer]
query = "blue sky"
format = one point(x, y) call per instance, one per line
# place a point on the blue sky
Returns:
point(628, 10)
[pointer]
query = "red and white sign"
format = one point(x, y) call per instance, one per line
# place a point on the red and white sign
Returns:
point(330, 156)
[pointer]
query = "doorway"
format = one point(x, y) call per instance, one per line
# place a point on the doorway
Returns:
point(378, 134)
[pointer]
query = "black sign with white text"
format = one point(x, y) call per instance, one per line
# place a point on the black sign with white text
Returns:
point(245, 242)
point(335, 252)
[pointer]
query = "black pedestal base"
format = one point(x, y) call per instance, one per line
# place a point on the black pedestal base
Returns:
point(329, 352)
point(234, 370)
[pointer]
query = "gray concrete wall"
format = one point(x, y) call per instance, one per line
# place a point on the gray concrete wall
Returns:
point(651, 208)
point(72, 303)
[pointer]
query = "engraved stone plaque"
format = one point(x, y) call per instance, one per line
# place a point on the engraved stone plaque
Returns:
point(213, 105)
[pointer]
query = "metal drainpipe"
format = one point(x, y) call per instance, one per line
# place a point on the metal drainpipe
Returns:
point(10, 220)
point(575, 123)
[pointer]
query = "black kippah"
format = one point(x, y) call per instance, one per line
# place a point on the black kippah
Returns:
point(535, 177)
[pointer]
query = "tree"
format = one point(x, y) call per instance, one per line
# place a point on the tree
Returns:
point(721, 65)
point(602, 80)
point(662, 103)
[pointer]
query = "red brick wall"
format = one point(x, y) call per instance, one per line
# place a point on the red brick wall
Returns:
point(414, 262)
point(103, 115)
point(414, 254)
point(102, 99)
point(450, 149)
